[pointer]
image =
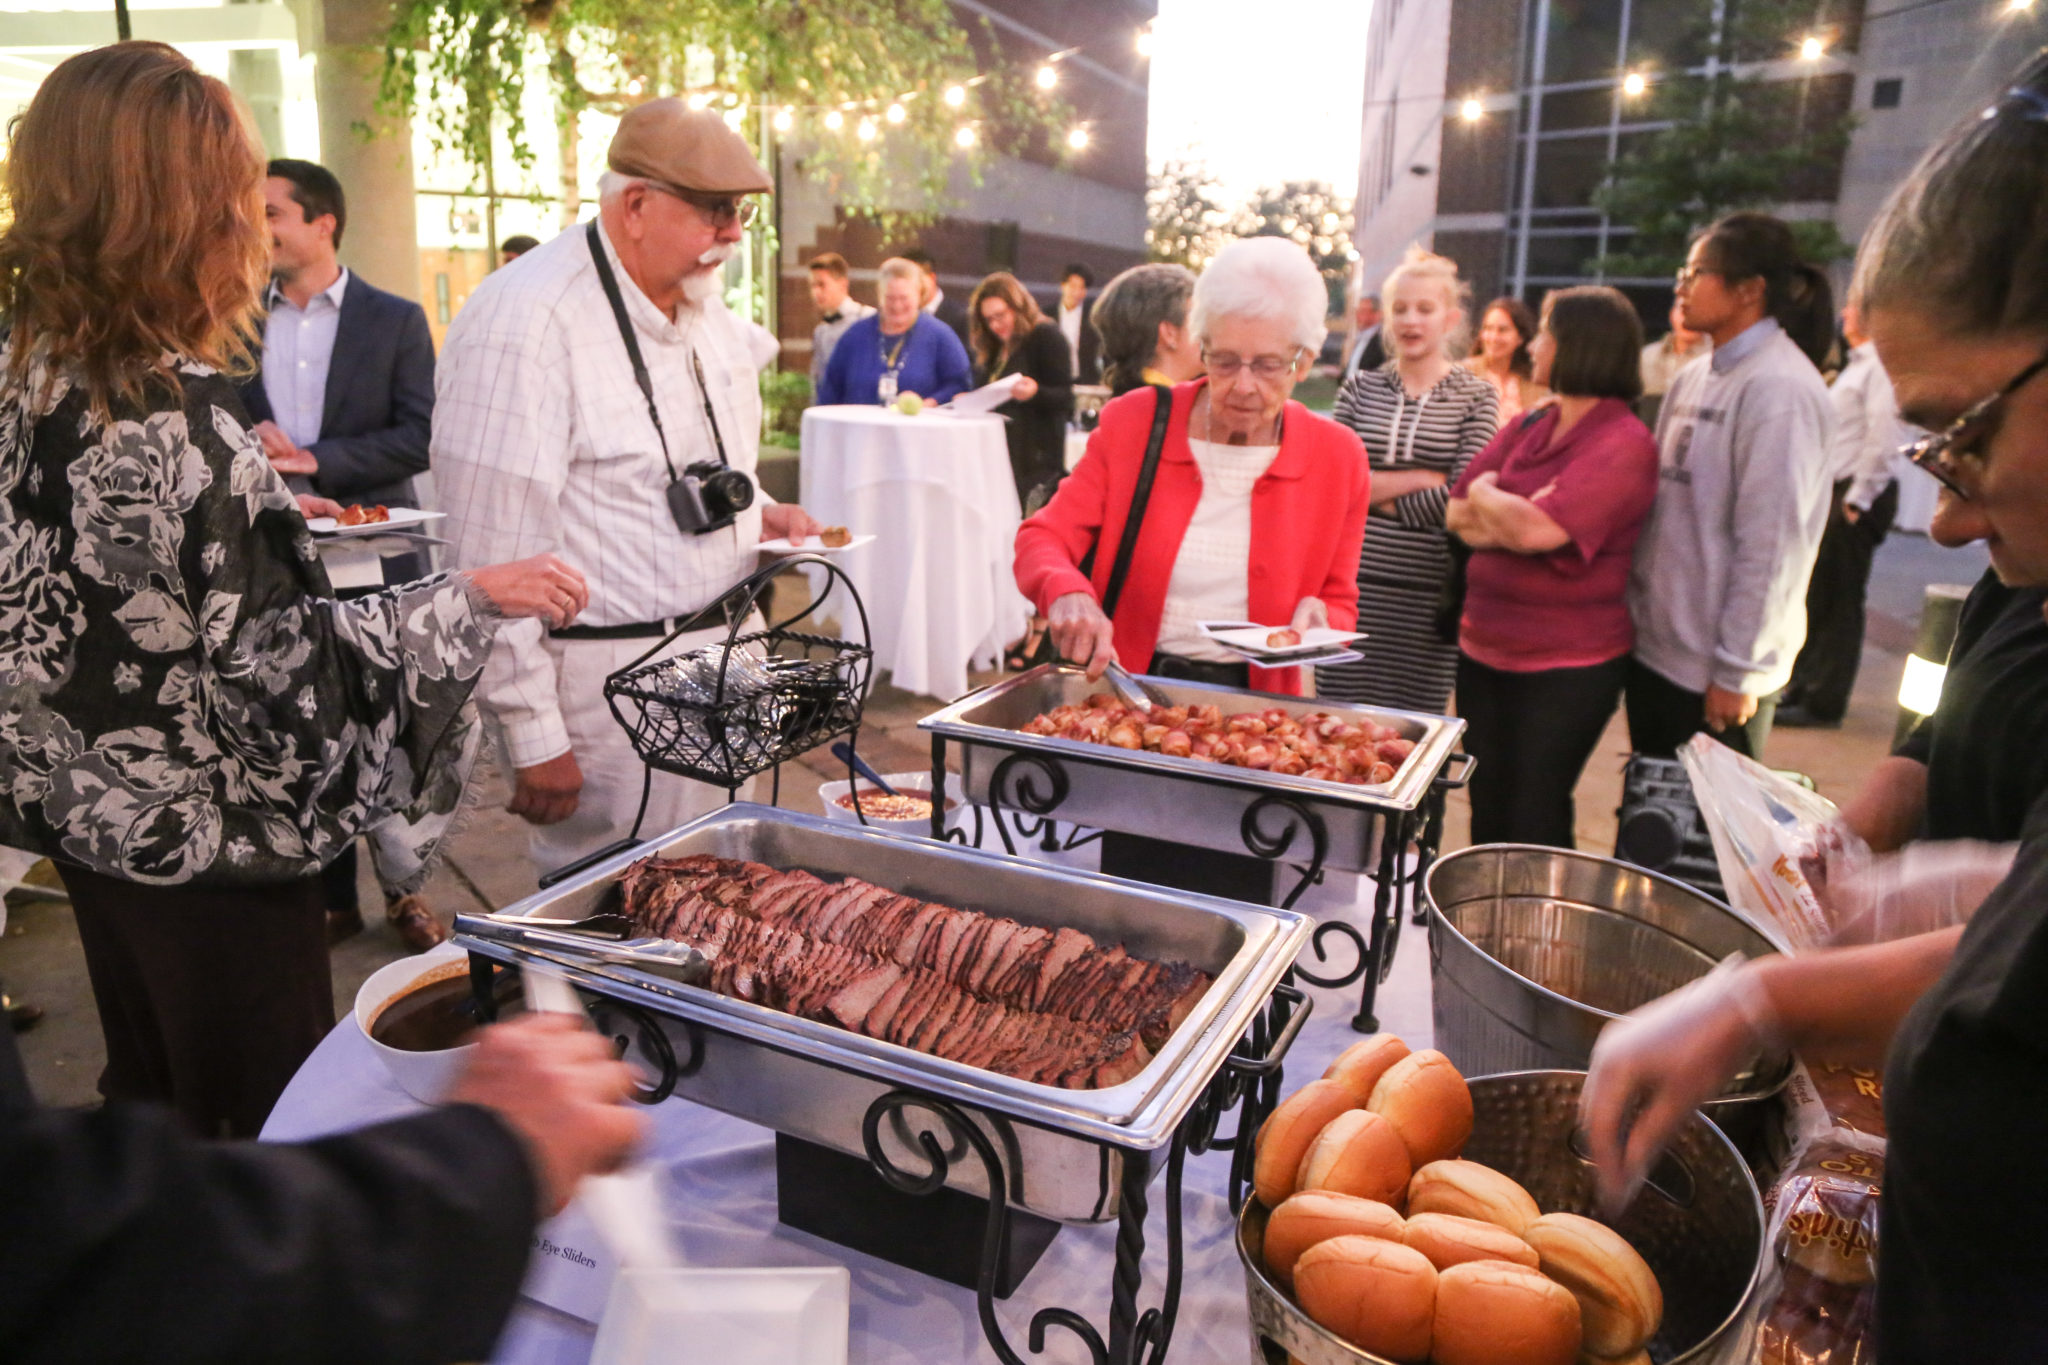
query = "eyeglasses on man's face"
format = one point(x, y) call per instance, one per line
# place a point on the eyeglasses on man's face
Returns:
point(723, 210)
point(1226, 366)
point(1688, 273)
point(1954, 456)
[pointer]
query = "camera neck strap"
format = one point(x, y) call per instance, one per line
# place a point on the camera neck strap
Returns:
point(610, 282)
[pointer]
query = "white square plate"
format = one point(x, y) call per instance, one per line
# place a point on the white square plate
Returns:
point(401, 517)
point(809, 545)
point(793, 1316)
point(1250, 640)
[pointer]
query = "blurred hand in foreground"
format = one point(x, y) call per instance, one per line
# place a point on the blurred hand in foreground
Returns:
point(1921, 888)
point(1651, 1069)
point(554, 1080)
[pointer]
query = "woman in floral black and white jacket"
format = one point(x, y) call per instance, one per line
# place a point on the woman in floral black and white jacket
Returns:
point(190, 724)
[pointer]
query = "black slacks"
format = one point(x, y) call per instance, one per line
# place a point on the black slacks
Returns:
point(1662, 715)
point(209, 997)
point(1530, 735)
point(1825, 674)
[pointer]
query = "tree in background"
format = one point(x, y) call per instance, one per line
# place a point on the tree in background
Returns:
point(1187, 224)
point(1741, 137)
point(465, 68)
point(1313, 215)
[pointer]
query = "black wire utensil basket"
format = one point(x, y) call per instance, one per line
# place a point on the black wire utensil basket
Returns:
point(730, 711)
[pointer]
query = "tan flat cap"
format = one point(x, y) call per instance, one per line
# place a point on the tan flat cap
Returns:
point(692, 149)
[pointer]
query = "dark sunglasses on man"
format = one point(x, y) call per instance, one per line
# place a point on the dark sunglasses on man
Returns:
point(1941, 454)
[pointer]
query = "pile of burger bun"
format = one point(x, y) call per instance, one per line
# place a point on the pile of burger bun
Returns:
point(1388, 1240)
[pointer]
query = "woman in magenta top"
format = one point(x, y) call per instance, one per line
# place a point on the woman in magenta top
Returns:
point(1551, 511)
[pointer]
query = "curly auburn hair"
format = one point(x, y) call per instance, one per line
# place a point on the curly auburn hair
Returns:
point(136, 240)
point(1005, 286)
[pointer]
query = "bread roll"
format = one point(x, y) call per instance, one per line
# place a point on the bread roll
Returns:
point(1361, 1065)
point(1358, 1152)
point(1314, 1216)
point(1288, 1132)
point(1426, 1100)
point(1495, 1313)
point(1378, 1295)
point(1449, 1240)
point(1471, 1190)
point(1619, 1301)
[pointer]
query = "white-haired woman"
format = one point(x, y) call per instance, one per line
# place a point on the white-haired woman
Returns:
point(1426, 416)
point(1256, 509)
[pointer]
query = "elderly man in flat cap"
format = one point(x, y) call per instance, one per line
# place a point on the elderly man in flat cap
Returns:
point(590, 403)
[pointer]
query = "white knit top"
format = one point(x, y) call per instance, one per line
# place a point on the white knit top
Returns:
point(1211, 571)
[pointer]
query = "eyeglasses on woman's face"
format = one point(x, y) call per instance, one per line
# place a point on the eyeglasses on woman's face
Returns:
point(1954, 456)
point(1225, 366)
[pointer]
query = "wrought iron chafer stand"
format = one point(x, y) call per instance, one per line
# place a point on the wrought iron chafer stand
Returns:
point(1277, 821)
point(957, 1126)
point(740, 729)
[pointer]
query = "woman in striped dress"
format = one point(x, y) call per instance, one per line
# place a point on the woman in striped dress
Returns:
point(1423, 417)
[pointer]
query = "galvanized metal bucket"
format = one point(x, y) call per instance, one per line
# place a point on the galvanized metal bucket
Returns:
point(1699, 1223)
point(1533, 951)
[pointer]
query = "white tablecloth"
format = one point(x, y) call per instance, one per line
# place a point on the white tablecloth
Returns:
point(936, 490)
point(718, 1175)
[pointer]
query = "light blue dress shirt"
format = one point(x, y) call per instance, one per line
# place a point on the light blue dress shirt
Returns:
point(298, 344)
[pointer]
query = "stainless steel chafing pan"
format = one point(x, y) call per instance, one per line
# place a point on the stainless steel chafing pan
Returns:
point(1187, 800)
point(816, 1081)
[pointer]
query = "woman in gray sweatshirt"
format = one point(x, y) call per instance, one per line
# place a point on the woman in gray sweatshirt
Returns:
point(1718, 592)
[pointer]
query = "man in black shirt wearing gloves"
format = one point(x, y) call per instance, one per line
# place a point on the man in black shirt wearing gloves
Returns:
point(128, 1240)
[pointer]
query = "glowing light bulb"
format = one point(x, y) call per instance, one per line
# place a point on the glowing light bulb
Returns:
point(1471, 111)
point(964, 138)
point(956, 95)
point(784, 121)
point(1330, 221)
point(1812, 49)
point(2019, 6)
point(866, 131)
point(895, 114)
point(1047, 77)
point(734, 118)
point(835, 120)
point(1077, 138)
point(1634, 83)
point(699, 100)
point(1144, 42)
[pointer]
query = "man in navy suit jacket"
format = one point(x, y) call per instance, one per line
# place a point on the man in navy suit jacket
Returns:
point(345, 399)
point(343, 404)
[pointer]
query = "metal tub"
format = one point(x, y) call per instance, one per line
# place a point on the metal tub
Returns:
point(816, 1081)
point(1185, 800)
point(1534, 950)
point(1699, 1223)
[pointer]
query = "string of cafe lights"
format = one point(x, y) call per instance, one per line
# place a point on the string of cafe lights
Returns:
point(868, 118)
point(1810, 49)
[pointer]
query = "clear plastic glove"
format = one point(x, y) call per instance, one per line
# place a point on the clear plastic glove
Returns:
point(1921, 888)
point(1651, 1069)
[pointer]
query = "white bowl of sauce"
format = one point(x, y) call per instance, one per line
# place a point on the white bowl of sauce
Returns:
point(909, 812)
point(418, 1016)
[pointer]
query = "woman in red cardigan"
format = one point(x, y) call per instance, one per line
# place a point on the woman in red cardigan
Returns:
point(1257, 510)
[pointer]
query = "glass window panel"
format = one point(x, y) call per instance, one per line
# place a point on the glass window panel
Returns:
point(1583, 39)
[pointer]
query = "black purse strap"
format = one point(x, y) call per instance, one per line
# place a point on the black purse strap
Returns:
point(1120, 567)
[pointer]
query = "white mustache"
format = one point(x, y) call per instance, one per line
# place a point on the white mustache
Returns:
point(718, 255)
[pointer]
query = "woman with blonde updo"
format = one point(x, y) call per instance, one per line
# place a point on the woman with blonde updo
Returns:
point(1423, 416)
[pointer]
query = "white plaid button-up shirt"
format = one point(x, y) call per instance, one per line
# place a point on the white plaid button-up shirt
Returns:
point(542, 443)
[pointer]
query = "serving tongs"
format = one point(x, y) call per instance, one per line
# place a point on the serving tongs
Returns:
point(1128, 689)
point(598, 939)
